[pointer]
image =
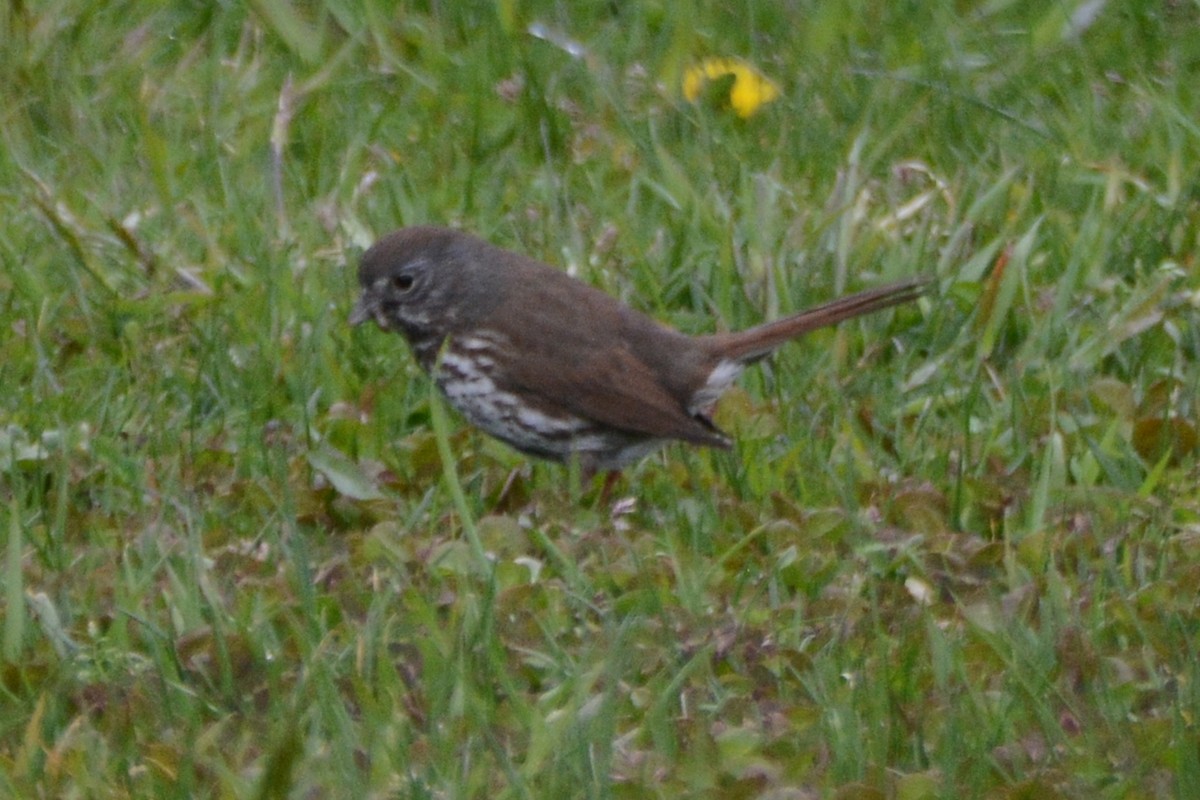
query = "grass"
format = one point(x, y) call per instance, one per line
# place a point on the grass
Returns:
point(953, 555)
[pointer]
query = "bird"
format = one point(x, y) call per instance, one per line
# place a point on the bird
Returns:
point(556, 368)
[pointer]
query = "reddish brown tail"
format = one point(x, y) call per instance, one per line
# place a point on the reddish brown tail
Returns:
point(750, 345)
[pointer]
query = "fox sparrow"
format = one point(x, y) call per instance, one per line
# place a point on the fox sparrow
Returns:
point(554, 367)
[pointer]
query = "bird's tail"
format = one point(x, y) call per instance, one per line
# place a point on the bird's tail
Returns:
point(755, 343)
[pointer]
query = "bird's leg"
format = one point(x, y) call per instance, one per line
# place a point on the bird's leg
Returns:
point(606, 489)
point(509, 482)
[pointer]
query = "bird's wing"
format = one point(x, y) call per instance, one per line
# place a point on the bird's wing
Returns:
point(575, 359)
point(614, 388)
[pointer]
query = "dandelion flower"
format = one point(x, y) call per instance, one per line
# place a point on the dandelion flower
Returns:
point(750, 89)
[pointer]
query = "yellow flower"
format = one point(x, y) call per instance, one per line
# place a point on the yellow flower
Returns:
point(751, 90)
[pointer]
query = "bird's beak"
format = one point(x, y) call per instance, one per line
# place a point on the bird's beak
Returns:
point(362, 310)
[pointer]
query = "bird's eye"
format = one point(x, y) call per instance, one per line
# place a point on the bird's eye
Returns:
point(402, 282)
